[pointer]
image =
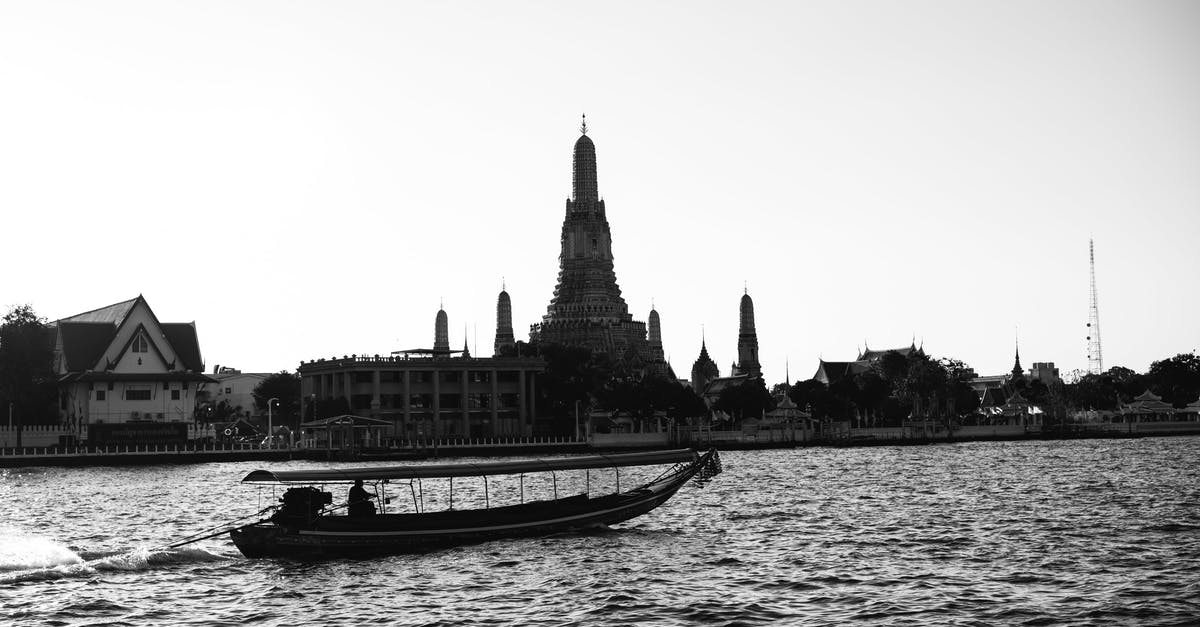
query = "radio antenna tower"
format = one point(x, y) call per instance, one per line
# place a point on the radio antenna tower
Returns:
point(1095, 357)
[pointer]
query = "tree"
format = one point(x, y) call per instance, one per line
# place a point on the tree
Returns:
point(960, 393)
point(811, 396)
point(573, 375)
point(1127, 382)
point(1093, 391)
point(1176, 379)
point(26, 366)
point(748, 399)
point(283, 386)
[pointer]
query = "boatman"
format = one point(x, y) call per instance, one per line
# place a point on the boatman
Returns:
point(358, 501)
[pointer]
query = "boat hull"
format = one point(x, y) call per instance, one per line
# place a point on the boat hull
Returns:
point(344, 536)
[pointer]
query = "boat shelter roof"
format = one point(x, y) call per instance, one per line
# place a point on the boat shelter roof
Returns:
point(430, 471)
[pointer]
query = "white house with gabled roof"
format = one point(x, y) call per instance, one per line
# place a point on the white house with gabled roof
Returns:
point(121, 364)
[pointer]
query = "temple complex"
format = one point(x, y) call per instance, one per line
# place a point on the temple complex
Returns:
point(587, 308)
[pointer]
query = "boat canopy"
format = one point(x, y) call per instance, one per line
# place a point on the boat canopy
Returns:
point(432, 471)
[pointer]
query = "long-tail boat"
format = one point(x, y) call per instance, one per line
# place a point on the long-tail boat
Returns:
point(307, 525)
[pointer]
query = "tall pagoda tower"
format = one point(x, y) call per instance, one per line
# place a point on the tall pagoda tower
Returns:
point(587, 308)
point(747, 341)
point(441, 332)
point(504, 329)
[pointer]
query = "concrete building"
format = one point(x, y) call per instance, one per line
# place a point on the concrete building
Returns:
point(235, 388)
point(431, 393)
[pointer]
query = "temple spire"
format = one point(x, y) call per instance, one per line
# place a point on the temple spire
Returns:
point(747, 363)
point(1017, 370)
point(584, 188)
point(441, 332)
point(583, 127)
point(504, 329)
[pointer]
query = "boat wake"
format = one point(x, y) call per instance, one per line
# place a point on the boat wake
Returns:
point(35, 558)
point(24, 552)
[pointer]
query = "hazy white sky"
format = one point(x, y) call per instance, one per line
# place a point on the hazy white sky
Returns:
point(311, 179)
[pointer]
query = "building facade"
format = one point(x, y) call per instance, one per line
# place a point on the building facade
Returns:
point(429, 395)
point(235, 388)
point(120, 364)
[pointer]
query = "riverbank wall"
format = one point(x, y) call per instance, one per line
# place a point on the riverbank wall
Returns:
point(52, 453)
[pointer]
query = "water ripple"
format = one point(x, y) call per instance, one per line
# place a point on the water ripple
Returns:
point(1093, 532)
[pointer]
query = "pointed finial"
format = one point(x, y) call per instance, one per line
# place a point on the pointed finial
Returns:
point(583, 127)
point(441, 302)
point(746, 287)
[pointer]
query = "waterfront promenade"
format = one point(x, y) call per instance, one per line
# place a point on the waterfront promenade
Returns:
point(56, 455)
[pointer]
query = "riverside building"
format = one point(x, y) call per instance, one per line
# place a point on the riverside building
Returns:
point(432, 392)
point(119, 364)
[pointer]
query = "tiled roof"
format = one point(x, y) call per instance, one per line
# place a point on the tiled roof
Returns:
point(836, 370)
point(112, 314)
point(84, 342)
point(182, 336)
point(868, 354)
point(85, 337)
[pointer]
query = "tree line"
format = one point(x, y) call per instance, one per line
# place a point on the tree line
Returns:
point(897, 387)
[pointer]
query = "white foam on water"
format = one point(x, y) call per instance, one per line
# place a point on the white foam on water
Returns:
point(21, 551)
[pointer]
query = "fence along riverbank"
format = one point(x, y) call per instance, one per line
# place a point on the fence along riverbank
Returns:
point(194, 453)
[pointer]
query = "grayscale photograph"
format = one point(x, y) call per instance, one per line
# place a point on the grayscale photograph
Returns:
point(315, 313)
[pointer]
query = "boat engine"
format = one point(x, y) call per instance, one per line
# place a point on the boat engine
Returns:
point(302, 503)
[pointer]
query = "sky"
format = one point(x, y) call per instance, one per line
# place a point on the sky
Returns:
point(314, 179)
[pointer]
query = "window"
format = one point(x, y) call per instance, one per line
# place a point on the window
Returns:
point(364, 377)
point(137, 395)
point(480, 376)
point(450, 401)
point(229, 390)
point(479, 401)
point(420, 376)
point(448, 376)
point(99, 395)
point(420, 401)
point(174, 395)
point(140, 345)
point(508, 376)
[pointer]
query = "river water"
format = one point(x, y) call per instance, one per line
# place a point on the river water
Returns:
point(1085, 532)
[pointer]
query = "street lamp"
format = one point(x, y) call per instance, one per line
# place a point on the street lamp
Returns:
point(270, 431)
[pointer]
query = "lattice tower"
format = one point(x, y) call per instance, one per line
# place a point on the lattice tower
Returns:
point(1095, 356)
